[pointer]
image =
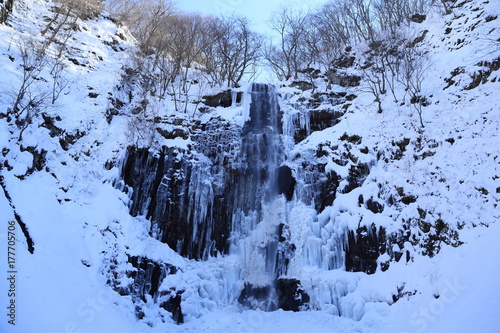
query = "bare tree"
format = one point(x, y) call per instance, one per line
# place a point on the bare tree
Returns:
point(30, 97)
point(125, 11)
point(287, 56)
point(333, 30)
point(375, 76)
point(141, 129)
point(176, 48)
point(414, 69)
point(67, 12)
point(446, 4)
point(59, 80)
point(148, 24)
point(185, 41)
point(232, 51)
point(397, 65)
point(361, 18)
point(391, 14)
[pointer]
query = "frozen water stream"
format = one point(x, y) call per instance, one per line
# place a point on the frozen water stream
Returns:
point(259, 208)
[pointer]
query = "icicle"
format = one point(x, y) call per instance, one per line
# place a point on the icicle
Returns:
point(234, 98)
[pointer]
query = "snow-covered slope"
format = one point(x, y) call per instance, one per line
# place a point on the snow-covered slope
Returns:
point(434, 191)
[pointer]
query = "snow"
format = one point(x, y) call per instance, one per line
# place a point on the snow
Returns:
point(79, 221)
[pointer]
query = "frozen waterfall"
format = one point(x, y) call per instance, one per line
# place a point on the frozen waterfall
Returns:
point(259, 208)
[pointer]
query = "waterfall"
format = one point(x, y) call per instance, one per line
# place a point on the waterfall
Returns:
point(259, 208)
point(236, 193)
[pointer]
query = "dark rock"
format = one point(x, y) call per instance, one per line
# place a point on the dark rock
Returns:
point(139, 313)
point(300, 134)
point(435, 234)
point(408, 199)
point(481, 76)
point(418, 18)
point(24, 228)
point(477, 78)
point(344, 61)
point(450, 81)
point(482, 190)
point(322, 119)
point(401, 293)
point(224, 99)
point(357, 175)
point(253, 297)
point(343, 79)
point(49, 123)
point(70, 139)
point(398, 154)
point(109, 165)
point(39, 159)
point(374, 206)
point(419, 39)
point(328, 191)
point(175, 133)
point(110, 113)
point(5, 10)
point(76, 62)
point(291, 296)
point(361, 200)
point(375, 45)
point(490, 18)
point(302, 85)
point(286, 182)
point(350, 97)
point(147, 276)
point(173, 305)
point(117, 103)
point(422, 213)
point(311, 72)
point(318, 121)
point(163, 193)
point(427, 154)
point(354, 139)
point(363, 248)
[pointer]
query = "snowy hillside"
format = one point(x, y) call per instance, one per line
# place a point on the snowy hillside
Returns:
point(274, 207)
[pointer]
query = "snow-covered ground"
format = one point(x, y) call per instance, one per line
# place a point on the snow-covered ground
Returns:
point(80, 223)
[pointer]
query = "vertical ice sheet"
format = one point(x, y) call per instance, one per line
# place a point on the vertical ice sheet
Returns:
point(258, 209)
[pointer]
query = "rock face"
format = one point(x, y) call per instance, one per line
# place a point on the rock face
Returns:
point(147, 276)
point(363, 248)
point(170, 189)
point(224, 99)
point(286, 182)
point(5, 10)
point(291, 296)
point(194, 197)
point(232, 190)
